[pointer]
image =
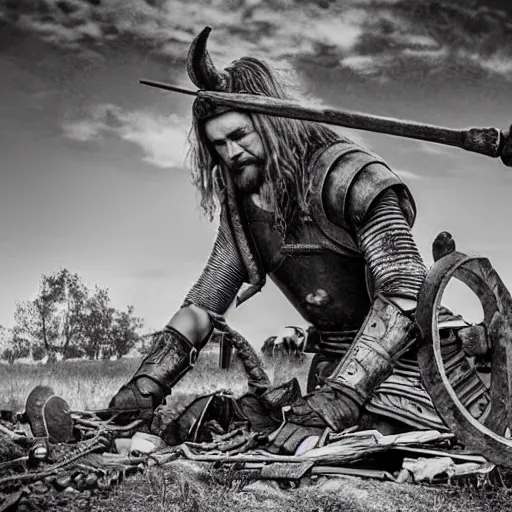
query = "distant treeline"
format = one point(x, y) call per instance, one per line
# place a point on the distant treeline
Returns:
point(69, 320)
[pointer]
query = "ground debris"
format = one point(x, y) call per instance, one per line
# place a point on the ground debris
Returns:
point(228, 455)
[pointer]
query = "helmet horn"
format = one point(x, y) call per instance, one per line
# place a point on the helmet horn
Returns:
point(200, 67)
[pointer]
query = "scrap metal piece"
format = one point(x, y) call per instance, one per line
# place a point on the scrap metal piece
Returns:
point(432, 468)
point(361, 472)
point(225, 352)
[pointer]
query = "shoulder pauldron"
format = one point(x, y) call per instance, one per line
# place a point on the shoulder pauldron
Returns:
point(346, 179)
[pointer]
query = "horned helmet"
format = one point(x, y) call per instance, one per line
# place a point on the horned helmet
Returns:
point(247, 75)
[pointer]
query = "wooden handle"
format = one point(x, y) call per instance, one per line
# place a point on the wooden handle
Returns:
point(485, 141)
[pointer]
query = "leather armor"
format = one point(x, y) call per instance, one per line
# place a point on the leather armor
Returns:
point(320, 267)
point(170, 357)
point(384, 336)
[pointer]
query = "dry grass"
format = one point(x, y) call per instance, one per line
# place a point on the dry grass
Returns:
point(84, 384)
point(91, 384)
point(187, 487)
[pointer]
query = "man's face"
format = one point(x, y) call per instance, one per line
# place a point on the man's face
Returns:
point(239, 146)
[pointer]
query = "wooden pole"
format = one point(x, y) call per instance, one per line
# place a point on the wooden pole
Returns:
point(485, 141)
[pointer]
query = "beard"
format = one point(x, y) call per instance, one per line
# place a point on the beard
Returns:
point(249, 179)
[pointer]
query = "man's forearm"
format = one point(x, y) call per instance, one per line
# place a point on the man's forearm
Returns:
point(397, 272)
point(392, 257)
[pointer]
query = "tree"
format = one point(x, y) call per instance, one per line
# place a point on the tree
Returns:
point(69, 319)
point(12, 346)
point(70, 296)
point(53, 319)
point(106, 331)
point(5, 339)
point(124, 333)
point(38, 352)
point(97, 319)
point(35, 324)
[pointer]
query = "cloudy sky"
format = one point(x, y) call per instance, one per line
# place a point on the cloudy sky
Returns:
point(91, 162)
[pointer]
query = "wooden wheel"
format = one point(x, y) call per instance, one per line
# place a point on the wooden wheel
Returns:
point(487, 438)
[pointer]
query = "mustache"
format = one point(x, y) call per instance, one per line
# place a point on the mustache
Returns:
point(239, 164)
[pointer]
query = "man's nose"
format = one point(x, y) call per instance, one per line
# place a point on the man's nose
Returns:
point(234, 150)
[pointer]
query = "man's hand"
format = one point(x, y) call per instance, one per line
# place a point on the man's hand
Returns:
point(311, 414)
point(289, 436)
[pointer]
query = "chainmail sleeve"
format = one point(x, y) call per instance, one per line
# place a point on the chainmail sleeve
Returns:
point(394, 262)
point(222, 276)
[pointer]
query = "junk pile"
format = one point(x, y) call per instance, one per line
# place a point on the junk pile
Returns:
point(51, 452)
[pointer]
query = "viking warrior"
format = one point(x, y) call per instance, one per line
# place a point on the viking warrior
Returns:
point(330, 223)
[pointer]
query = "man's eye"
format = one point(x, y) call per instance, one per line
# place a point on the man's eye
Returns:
point(240, 135)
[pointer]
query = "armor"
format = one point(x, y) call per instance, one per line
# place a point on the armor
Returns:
point(384, 336)
point(170, 357)
point(223, 274)
point(323, 254)
point(402, 395)
point(339, 264)
point(321, 269)
point(319, 266)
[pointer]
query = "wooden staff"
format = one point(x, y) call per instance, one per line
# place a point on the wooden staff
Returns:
point(485, 141)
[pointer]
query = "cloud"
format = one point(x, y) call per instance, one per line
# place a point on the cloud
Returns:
point(499, 63)
point(363, 64)
point(371, 38)
point(355, 136)
point(336, 32)
point(408, 175)
point(82, 130)
point(162, 139)
point(426, 54)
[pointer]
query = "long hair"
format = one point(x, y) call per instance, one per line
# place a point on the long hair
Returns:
point(288, 145)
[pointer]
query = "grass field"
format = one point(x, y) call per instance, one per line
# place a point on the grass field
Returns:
point(188, 487)
point(91, 384)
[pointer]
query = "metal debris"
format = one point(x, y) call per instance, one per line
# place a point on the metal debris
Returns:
point(105, 454)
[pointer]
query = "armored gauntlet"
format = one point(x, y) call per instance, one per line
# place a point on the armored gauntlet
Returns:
point(170, 357)
point(386, 333)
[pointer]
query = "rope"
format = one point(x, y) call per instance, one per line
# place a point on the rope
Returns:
point(251, 362)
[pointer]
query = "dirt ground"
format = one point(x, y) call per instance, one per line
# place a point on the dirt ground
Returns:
point(185, 486)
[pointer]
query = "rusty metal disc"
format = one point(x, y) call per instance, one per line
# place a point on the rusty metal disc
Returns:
point(487, 438)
